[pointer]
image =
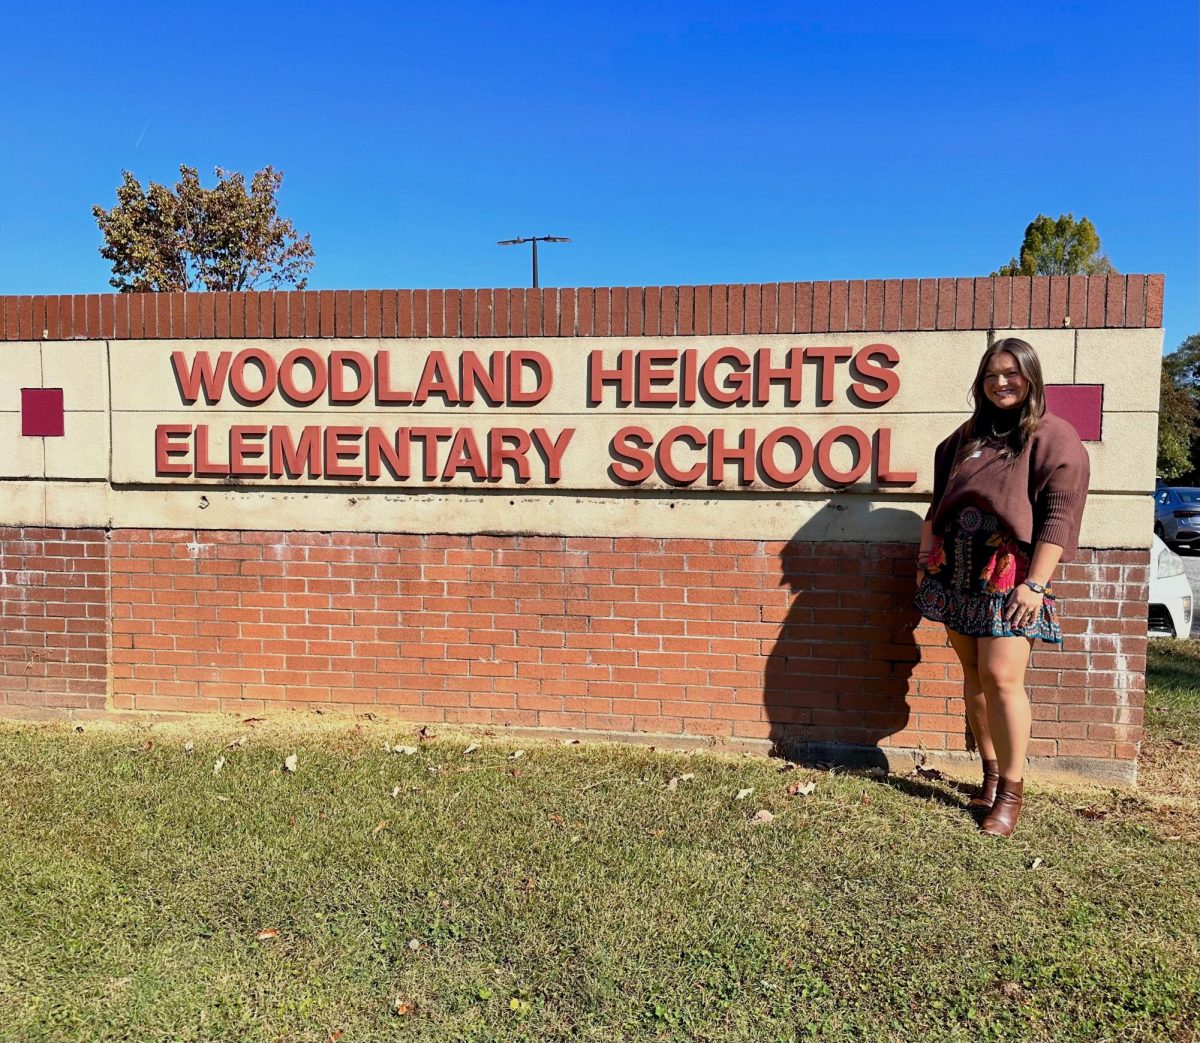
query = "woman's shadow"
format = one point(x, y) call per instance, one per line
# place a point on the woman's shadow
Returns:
point(836, 683)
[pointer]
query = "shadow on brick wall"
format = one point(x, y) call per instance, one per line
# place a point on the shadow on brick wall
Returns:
point(837, 679)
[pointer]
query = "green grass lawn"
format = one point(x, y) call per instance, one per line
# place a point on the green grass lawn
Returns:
point(1173, 703)
point(574, 893)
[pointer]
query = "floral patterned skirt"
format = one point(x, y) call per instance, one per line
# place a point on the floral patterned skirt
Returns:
point(971, 572)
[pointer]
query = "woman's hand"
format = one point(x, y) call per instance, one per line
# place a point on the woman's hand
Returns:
point(1023, 606)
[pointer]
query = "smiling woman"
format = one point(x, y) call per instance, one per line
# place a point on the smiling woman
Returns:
point(1009, 488)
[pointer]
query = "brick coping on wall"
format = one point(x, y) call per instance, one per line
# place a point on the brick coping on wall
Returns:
point(887, 305)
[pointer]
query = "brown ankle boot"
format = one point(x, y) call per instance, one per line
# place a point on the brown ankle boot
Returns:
point(984, 797)
point(1002, 819)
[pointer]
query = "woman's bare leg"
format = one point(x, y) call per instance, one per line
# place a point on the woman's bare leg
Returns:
point(1002, 663)
point(966, 648)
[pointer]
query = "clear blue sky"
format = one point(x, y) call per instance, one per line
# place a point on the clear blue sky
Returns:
point(674, 142)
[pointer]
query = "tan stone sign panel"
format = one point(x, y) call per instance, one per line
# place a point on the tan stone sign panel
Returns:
point(1109, 520)
point(563, 424)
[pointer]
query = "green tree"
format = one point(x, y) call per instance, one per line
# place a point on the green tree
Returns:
point(1062, 247)
point(1183, 364)
point(1177, 429)
point(1179, 411)
point(194, 238)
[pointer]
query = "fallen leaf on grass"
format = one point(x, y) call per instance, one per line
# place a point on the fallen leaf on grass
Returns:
point(762, 816)
point(471, 749)
point(291, 763)
point(253, 720)
point(379, 828)
point(1093, 812)
point(334, 1036)
point(402, 1006)
point(149, 745)
point(424, 733)
point(673, 784)
point(1035, 863)
point(529, 884)
point(395, 792)
point(413, 944)
point(266, 934)
point(742, 794)
point(407, 751)
point(928, 773)
point(801, 789)
point(221, 798)
point(189, 747)
point(237, 743)
point(218, 765)
point(516, 755)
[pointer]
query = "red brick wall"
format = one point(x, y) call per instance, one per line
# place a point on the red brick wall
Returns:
point(728, 638)
point(54, 630)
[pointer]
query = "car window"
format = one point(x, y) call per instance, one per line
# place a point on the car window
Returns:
point(1188, 495)
point(1164, 496)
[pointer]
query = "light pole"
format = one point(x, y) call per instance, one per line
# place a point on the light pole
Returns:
point(535, 239)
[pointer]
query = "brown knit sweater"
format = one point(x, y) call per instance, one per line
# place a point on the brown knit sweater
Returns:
point(1038, 495)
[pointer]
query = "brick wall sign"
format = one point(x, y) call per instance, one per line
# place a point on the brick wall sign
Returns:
point(661, 511)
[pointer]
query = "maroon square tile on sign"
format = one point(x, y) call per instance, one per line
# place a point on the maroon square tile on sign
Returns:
point(42, 412)
point(1081, 405)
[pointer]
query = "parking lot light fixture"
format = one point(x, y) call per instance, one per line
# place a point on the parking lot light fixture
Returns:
point(535, 239)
